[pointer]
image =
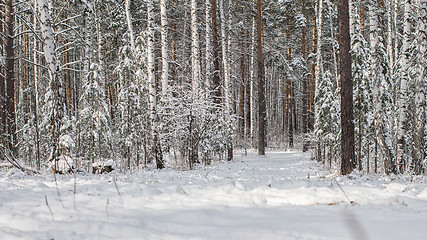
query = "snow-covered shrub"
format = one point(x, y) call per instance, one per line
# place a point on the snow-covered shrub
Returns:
point(62, 165)
point(103, 167)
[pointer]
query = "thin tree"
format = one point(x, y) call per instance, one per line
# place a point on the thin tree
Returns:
point(261, 82)
point(348, 162)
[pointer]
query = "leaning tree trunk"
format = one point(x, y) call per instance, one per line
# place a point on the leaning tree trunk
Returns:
point(261, 82)
point(348, 162)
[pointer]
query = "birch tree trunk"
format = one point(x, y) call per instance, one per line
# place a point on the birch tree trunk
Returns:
point(56, 82)
point(129, 23)
point(152, 85)
point(403, 93)
point(419, 151)
point(164, 36)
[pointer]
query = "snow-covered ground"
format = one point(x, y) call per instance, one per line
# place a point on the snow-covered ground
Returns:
point(281, 196)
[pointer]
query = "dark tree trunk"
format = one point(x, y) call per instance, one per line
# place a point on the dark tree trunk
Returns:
point(261, 82)
point(2, 92)
point(216, 80)
point(304, 90)
point(10, 77)
point(289, 90)
point(348, 162)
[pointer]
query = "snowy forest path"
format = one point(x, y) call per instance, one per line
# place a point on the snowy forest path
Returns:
point(283, 195)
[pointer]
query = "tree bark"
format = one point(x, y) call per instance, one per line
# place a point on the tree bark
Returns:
point(304, 88)
point(156, 147)
point(403, 95)
point(289, 89)
point(225, 63)
point(164, 36)
point(195, 49)
point(2, 94)
point(216, 80)
point(261, 82)
point(348, 162)
point(419, 151)
point(208, 39)
point(56, 81)
point(10, 77)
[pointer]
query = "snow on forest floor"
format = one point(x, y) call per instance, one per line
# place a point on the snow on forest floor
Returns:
point(283, 195)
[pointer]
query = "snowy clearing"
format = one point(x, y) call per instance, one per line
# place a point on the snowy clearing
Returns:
point(281, 196)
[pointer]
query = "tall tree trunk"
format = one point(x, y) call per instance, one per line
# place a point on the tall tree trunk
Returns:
point(195, 49)
point(348, 162)
point(289, 89)
point(319, 67)
point(208, 38)
point(57, 110)
point(129, 24)
point(383, 137)
point(304, 115)
point(225, 63)
point(164, 35)
point(2, 92)
point(403, 93)
point(216, 80)
point(35, 94)
point(10, 77)
point(252, 85)
point(419, 151)
point(261, 82)
point(152, 86)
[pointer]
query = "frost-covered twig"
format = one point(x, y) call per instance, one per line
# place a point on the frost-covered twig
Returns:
point(74, 190)
point(47, 204)
point(345, 194)
point(106, 207)
point(118, 191)
point(57, 191)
